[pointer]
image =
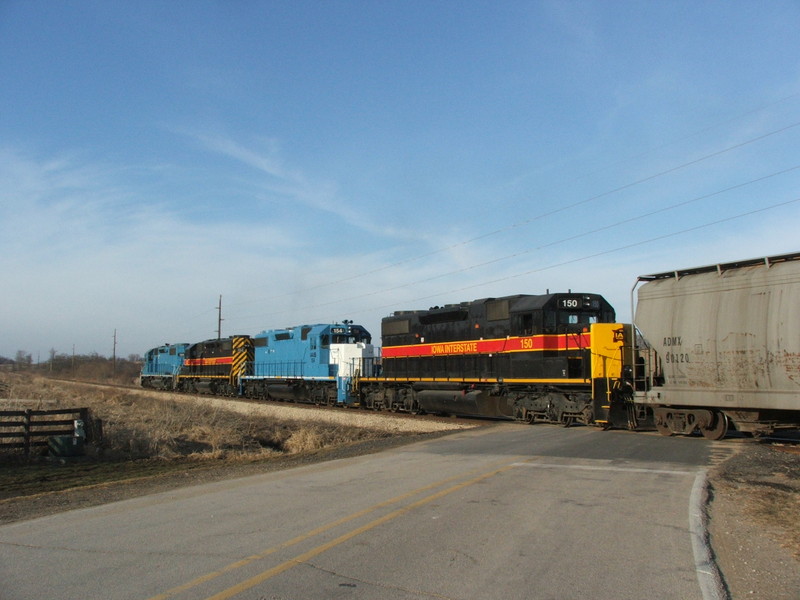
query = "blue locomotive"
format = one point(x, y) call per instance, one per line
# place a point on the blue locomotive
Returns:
point(162, 366)
point(308, 363)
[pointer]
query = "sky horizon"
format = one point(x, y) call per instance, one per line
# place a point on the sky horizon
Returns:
point(317, 161)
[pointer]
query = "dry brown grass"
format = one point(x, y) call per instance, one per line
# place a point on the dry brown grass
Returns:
point(155, 438)
point(765, 481)
point(140, 424)
point(774, 500)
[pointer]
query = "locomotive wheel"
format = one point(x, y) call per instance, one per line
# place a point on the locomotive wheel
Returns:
point(567, 421)
point(718, 430)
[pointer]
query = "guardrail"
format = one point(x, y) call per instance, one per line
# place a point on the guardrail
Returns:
point(28, 429)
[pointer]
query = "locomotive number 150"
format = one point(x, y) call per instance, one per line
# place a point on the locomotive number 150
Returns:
point(570, 303)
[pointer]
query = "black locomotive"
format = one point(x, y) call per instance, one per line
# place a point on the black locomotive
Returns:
point(536, 358)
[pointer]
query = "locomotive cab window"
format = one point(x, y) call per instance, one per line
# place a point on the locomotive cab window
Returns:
point(550, 322)
point(361, 335)
point(556, 322)
point(576, 318)
point(526, 324)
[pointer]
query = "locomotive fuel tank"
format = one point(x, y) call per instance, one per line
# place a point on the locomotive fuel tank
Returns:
point(465, 402)
point(293, 393)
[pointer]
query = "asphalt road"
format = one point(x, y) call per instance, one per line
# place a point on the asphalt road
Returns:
point(503, 512)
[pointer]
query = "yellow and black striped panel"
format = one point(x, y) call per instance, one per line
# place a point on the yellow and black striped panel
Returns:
point(242, 356)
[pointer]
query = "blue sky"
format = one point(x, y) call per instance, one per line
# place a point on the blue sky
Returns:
point(315, 161)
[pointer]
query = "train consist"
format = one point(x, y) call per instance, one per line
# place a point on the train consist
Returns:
point(712, 349)
point(311, 363)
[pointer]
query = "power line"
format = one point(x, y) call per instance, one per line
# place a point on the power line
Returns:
point(556, 242)
point(604, 252)
point(526, 222)
point(575, 260)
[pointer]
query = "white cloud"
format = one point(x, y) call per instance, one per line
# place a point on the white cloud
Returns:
point(284, 183)
point(80, 257)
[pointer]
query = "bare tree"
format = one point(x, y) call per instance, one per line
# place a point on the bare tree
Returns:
point(23, 359)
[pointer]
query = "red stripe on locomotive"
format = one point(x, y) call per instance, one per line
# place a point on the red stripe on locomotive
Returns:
point(512, 344)
point(206, 362)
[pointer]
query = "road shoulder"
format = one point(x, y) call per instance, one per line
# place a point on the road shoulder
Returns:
point(754, 517)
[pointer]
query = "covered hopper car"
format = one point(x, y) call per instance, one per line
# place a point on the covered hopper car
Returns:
point(722, 347)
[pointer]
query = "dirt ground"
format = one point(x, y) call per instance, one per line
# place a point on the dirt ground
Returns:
point(754, 511)
point(754, 524)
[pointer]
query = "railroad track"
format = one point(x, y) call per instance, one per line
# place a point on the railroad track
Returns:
point(463, 421)
point(791, 437)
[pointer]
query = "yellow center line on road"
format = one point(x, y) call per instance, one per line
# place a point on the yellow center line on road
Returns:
point(301, 558)
point(328, 526)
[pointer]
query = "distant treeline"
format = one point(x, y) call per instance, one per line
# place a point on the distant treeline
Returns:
point(92, 367)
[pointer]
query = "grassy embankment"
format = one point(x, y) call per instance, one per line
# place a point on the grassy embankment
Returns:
point(146, 434)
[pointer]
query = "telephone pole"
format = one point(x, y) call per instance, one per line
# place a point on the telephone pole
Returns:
point(219, 318)
point(114, 355)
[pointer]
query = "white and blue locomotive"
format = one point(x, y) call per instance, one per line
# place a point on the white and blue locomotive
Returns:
point(307, 363)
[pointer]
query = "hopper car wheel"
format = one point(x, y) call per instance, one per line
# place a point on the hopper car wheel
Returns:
point(663, 428)
point(718, 430)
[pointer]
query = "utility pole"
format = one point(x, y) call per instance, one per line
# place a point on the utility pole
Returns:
point(219, 318)
point(114, 355)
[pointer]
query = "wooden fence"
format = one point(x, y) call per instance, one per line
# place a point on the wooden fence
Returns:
point(28, 429)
